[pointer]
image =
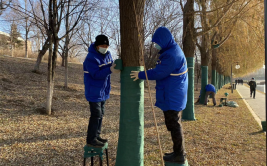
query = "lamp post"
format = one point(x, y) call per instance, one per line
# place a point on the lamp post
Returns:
point(237, 66)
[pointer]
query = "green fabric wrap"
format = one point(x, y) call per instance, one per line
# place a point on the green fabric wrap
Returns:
point(175, 164)
point(219, 81)
point(216, 85)
point(213, 78)
point(204, 82)
point(118, 63)
point(188, 112)
point(130, 149)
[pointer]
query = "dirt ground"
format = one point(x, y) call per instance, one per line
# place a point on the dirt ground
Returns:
point(219, 136)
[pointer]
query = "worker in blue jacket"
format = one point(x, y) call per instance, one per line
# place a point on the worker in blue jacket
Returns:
point(171, 88)
point(210, 90)
point(97, 66)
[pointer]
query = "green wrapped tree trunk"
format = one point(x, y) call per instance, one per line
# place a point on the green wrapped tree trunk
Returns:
point(213, 78)
point(219, 81)
point(131, 135)
point(204, 82)
point(217, 77)
point(130, 151)
point(188, 112)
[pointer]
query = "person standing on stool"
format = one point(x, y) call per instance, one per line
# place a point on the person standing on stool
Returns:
point(97, 66)
point(252, 84)
point(171, 88)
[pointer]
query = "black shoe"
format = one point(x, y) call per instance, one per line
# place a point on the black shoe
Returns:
point(166, 154)
point(175, 158)
point(102, 140)
point(214, 104)
point(96, 143)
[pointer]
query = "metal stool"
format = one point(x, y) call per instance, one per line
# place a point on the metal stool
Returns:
point(223, 100)
point(90, 151)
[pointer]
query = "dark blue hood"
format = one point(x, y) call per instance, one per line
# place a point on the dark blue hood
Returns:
point(92, 49)
point(163, 38)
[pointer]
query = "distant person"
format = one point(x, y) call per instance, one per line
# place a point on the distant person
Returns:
point(235, 82)
point(252, 84)
point(242, 81)
point(210, 90)
point(98, 66)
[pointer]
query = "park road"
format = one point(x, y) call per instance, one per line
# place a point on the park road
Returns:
point(257, 104)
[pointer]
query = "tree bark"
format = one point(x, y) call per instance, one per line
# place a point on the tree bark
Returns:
point(50, 85)
point(132, 92)
point(40, 56)
point(189, 50)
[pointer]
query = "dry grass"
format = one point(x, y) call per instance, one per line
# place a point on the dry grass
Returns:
point(219, 136)
point(34, 55)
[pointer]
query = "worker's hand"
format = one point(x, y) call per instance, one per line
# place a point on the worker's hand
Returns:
point(113, 70)
point(134, 74)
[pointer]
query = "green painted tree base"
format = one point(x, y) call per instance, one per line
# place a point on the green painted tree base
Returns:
point(130, 151)
point(90, 151)
point(204, 82)
point(188, 112)
point(175, 164)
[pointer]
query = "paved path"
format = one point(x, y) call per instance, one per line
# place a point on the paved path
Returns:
point(257, 104)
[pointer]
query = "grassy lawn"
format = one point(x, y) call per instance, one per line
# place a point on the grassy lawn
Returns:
point(219, 136)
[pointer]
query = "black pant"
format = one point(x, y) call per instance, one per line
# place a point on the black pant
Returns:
point(212, 95)
point(252, 91)
point(97, 110)
point(174, 125)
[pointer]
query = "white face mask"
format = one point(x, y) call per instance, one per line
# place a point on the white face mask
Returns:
point(103, 50)
point(157, 46)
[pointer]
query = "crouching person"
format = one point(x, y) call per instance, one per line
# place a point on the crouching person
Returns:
point(171, 88)
point(210, 90)
point(98, 66)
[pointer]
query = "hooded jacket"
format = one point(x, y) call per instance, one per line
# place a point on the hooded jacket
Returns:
point(170, 73)
point(97, 72)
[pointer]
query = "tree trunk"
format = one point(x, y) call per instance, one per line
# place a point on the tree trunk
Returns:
point(12, 48)
point(189, 50)
point(63, 58)
point(40, 56)
point(26, 45)
point(50, 84)
point(131, 133)
point(213, 64)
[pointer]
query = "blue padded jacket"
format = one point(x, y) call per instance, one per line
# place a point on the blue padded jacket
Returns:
point(170, 73)
point(210, 87)
point(97, 72)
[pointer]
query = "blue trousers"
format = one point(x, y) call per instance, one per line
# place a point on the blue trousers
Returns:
point(97, 110)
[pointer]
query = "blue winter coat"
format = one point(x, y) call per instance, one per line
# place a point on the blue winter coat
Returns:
point(97, 72)
point(210, 87)
point(171, 90)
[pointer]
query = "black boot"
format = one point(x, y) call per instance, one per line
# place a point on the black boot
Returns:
point(166, 154)
point(175, 158)
point(96, 143)
point(102, 140)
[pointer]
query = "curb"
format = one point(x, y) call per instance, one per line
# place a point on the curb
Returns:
point(251, 110)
